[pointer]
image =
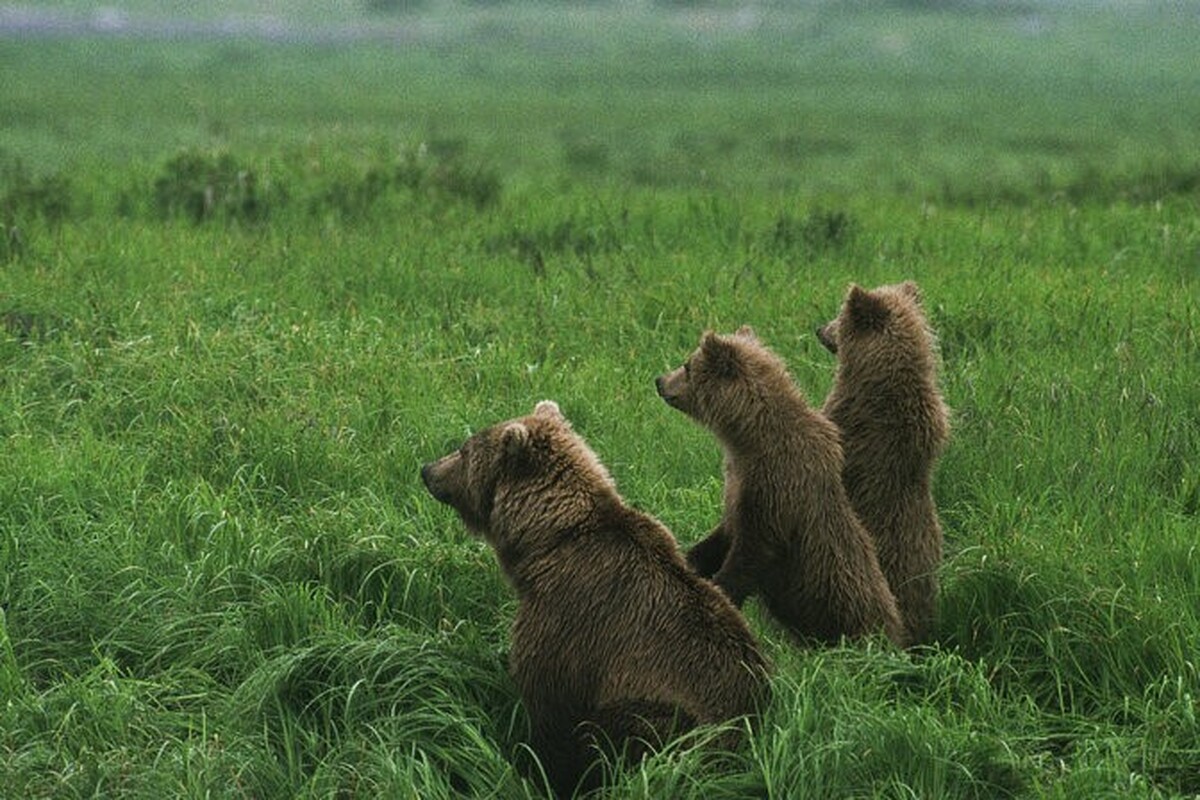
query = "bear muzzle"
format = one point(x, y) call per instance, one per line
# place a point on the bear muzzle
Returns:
point(664, 391)
point(826, 336)
point(429, 477)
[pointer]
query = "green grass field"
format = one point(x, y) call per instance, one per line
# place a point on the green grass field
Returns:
point(247, 287)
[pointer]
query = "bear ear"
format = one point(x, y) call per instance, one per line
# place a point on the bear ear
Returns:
point(720, 355)
point(746, 332)
point(548, 408)
point(514, 439)
point(868, 311)
point(912, 292)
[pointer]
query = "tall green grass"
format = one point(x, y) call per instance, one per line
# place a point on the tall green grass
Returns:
point(241, 306)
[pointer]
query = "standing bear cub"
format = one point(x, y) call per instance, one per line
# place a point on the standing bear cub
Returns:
point(787, 532)
point(616, 643)
point(894, 424)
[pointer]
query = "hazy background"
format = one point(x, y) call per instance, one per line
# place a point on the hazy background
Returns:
point(936, 98)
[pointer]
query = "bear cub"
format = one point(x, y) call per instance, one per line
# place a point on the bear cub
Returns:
point(894, 424)
point(787, 532)
point(616, 644)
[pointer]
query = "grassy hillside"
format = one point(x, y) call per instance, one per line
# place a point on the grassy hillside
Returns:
point(248, 286)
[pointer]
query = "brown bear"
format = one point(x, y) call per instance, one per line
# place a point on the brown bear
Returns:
point(894, 424)
point(616, 644)
point(787, 532)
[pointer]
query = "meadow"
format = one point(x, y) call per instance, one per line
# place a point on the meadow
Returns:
point(249, 285)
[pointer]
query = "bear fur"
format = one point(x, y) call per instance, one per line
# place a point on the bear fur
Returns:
point(616, 644)
point(787, 532)
point(894, 424)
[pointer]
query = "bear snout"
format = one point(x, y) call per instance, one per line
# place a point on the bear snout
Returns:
point(660, 384)
point(825, 336)
point(429, 478)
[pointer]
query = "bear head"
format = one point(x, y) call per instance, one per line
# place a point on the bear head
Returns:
point(724, 382)
point(519, 477)
point(892, 309)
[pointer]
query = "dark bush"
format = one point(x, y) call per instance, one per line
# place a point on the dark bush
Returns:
point(419, 175)
point(583, 239)
point(49, 197)
point(12, 243)
point(352, 197)
point(477, 186)
point(26, 325)
point(203, 186)
point(818, 231)
point(441, 171)
point(1091, 183)
point(585, 154)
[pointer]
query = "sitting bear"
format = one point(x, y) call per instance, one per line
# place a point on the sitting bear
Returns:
point(894, 424)
point(616, 644)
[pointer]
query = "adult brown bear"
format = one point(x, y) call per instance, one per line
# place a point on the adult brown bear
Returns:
point(616, 643)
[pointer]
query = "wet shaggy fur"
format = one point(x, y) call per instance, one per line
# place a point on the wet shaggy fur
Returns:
point(616, 643)
point(787, 532)
point(894, 424)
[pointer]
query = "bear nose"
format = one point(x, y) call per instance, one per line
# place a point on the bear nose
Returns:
point(824, 338)
point(429, 478)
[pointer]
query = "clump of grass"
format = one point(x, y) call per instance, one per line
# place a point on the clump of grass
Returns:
point(25, 197)
point(439, 700)
point(12, 243)
point(11, 680)
point(456, 179)
point(862, 722)
point(426, 587)
point(819, 231)
point(202, 186)
point(578, 237)
point(423, 179)
point(585, 154)
point(1051, 637)
point(27, 325)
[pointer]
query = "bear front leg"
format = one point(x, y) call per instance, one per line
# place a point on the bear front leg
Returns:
point(737, 576)
point(565, 760)
point(706, 556)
